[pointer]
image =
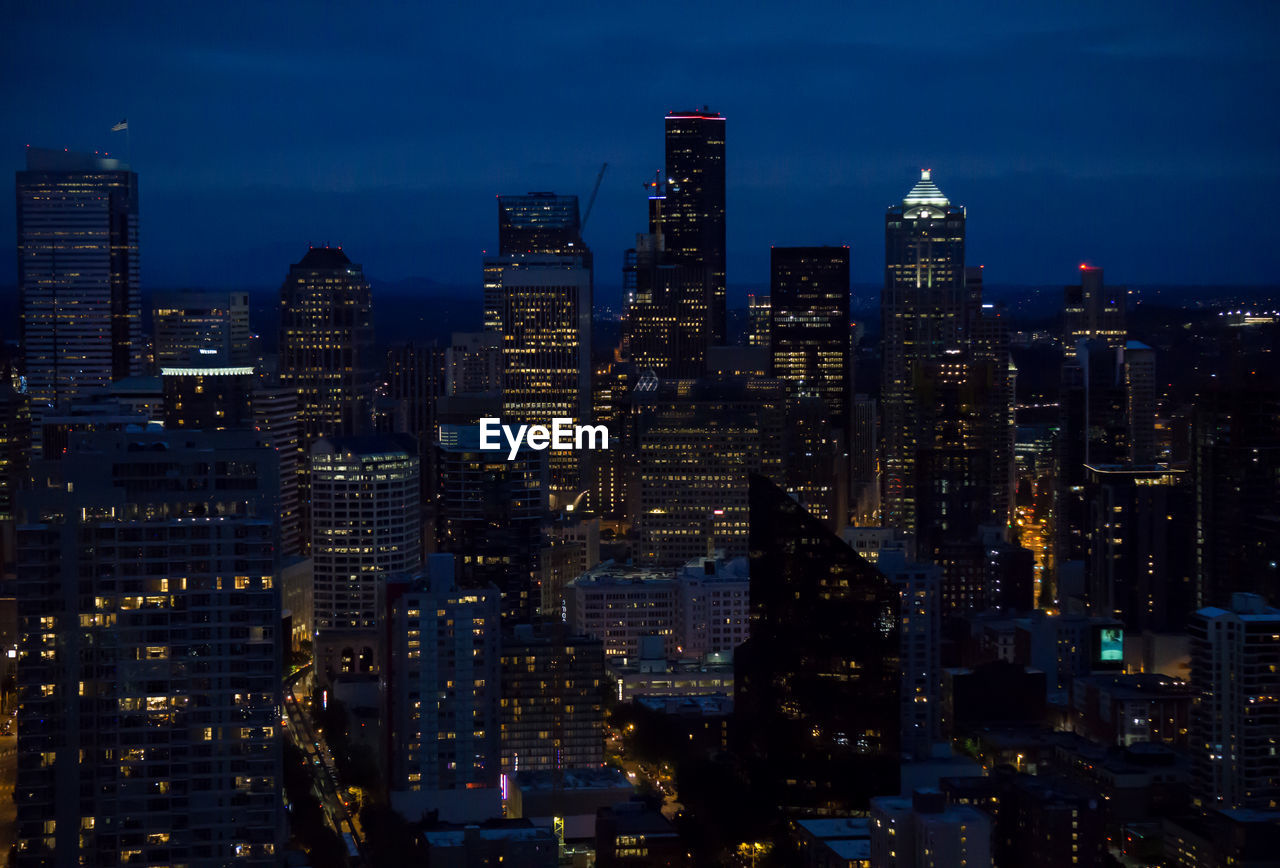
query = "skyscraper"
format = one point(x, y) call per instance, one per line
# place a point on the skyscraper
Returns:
point(546, 351)
point(809, 325)
point(1235, 721)
point(77, 275)
point(326, 343)
point(490, 514)
point(817, 683)
point(443, 682)
point(201, 329)
point(149, 657)
point(552, 700)
point(694, 220)
point(539, 223)
point(923, 311)
point(692, 446)
point(1092, 311)
point(365, 526)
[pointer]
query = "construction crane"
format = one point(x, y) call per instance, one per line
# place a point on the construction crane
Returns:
point(592, 201)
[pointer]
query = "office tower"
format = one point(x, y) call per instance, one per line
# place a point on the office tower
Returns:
point(544, 223)
point(669, 302)
point(552, 700)
point(1140, 545)
point(15, 456)
point(490, 512)
point(692, 445)
point(620, 605)
point(610, 386)
point(817, 683)
point(1235, 720)
point(924, 831)
point(759, 314)
point(412, 381)
point(365, 527)
point(443, 679)
point(923, 309)
point(571, 546)
point(201, 328)
point(693, 224)
point(713, 615)
point(1139, 362)
point(809, 325)
point(15, 443)
point(815, 464)
point(275, 417)
point(473, 364)
point(920, 694)
point(326, 344)
point(77, 275)
point(1093, 312)
point(149, 660)
point(210, 398)
point(546, 352)
point(1235, 465)
point(864, 462)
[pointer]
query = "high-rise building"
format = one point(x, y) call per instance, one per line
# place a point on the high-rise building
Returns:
point(920, 696)
point(275, 417)
point(211, 398)
point(1235, 465)
point(473, 363)
point(552, 700)
point(692, 445)
point(546, 351)
point(77, 275)
point(759, 314)
point(149, 659)
point(1093, 312)
point(1235, 719)
point(693, 225)
point(817, 683)
point(326, 344)
point(412, 382)
point(809, 325)
point(544, 223)
point(668, 305)
point(923, 308)
point(490, 512)
point(201, 329)
point(1140, 545)
point(365, 527)
point(443, 679)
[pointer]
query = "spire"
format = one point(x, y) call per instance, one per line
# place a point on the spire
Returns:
point(925, 192)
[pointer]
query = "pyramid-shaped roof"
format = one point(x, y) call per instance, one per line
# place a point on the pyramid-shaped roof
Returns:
point(925, 192)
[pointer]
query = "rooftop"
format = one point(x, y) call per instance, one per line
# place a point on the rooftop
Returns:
point(324, 257)
point(925, 192)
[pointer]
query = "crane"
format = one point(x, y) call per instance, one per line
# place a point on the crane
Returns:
point(592, 201)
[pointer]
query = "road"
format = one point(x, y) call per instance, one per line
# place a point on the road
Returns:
point(319, 760)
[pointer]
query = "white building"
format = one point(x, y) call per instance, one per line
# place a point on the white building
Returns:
point(700, 610)
point(364, 526)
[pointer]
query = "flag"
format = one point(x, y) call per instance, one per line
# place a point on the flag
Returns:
point(123, 125)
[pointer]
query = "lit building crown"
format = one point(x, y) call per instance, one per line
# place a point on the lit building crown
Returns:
point(925, 192)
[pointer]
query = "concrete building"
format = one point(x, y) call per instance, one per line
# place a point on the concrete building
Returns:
point(1235, 722)
point(442, 682)
point(364, 528)
point(150, 653)
point(923, 831)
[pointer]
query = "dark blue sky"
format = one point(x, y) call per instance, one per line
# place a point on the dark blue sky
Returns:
point(1140, 136)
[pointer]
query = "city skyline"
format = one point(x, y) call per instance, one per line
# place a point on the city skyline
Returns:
point(1152, 116)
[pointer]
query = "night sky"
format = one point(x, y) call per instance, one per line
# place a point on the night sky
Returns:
point(1142, 137)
